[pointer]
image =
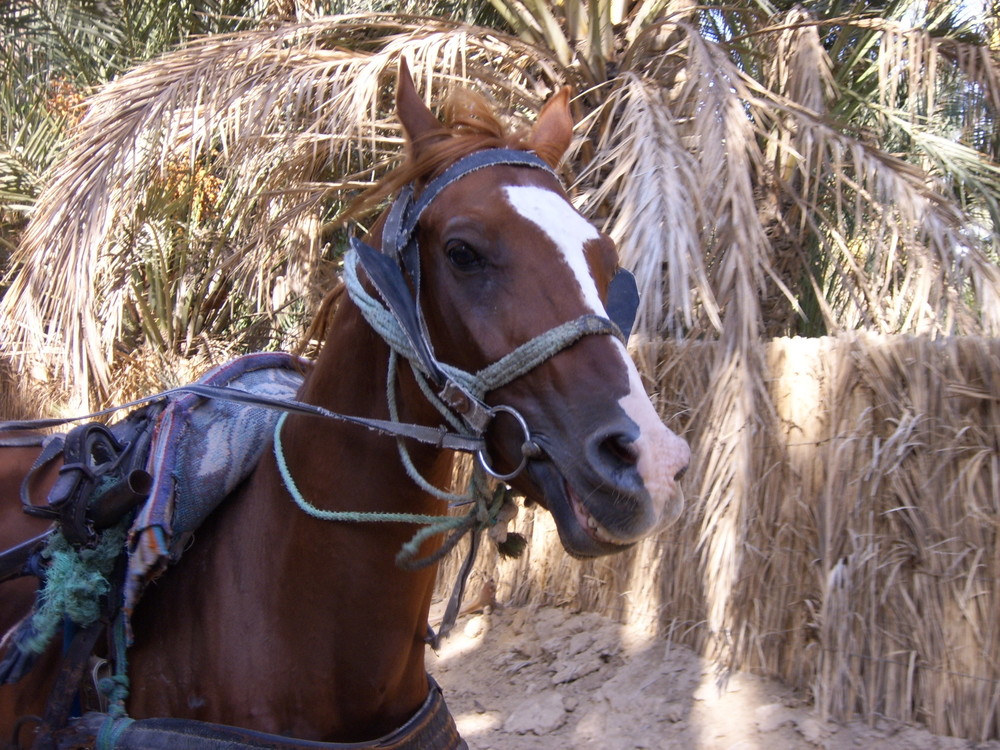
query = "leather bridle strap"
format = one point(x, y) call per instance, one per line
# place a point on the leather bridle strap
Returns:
point(414, 208)
point(436, 436)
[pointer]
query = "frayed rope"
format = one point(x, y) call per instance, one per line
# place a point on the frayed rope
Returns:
point(75, 581)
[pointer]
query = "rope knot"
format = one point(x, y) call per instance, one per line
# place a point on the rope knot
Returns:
point(115, 688)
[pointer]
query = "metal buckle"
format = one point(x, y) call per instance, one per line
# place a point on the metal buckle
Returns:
point(529, 449)
point(475, 413)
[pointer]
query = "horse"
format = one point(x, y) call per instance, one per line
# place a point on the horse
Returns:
point(275, 620)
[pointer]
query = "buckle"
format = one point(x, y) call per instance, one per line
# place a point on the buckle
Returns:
point(475, 413)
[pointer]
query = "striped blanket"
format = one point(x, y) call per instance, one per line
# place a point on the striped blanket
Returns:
point(201, 450)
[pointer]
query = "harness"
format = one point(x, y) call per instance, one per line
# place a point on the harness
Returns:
point(394, 312)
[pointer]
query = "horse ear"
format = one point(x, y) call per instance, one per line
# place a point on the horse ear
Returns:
point(553, 130)
point(419, 123)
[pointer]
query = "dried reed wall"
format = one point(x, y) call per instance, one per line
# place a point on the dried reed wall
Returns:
point(841, 528)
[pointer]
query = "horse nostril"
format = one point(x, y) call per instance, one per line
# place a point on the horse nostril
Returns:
point(680, 474)
point(621, 448)
point(613, 455)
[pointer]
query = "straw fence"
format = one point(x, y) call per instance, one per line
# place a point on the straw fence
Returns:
point(841, 530)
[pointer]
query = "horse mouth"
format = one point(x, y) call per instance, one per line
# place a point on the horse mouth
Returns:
point(581, 534)
point(586, 520)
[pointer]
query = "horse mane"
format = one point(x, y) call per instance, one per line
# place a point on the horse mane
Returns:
point(470, 125)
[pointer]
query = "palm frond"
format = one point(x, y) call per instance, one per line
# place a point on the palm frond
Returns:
point(821, 215)
point(648, 175)
point(283, 122)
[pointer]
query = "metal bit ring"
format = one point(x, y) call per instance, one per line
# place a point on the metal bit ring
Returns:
point(528, 448)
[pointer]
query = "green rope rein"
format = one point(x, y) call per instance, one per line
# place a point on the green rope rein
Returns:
point(483, 513)
point(486, 502)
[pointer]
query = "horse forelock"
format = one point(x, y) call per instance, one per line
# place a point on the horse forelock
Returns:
point(470, 124)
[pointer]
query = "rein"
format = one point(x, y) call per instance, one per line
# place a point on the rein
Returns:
point(436, 436)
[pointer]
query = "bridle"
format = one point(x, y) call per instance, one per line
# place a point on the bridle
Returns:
point(396, 314)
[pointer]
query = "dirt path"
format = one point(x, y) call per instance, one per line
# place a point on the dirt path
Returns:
point(546, 678)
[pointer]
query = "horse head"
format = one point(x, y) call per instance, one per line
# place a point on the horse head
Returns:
point(504, 258)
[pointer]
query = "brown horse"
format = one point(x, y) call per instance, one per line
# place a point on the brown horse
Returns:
point(280, 622)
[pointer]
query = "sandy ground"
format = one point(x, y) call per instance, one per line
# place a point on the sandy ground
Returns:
point(549, 678)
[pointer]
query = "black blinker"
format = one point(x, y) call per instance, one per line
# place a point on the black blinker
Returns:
point(387, 277)
point(623, 301)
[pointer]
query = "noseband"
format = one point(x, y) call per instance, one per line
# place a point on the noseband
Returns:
point(398, 316)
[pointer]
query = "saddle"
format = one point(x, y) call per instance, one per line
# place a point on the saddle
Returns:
point(102, 477)
point(126, 499)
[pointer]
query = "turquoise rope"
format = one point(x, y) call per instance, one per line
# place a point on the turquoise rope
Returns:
point(482, 515)
point(116, 687)
point(510, 367)
point(110, 732)
point(75, 581)
point(404, 453)
point(350, 516)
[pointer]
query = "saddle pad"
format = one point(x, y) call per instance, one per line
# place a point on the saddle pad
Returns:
point(201, 450)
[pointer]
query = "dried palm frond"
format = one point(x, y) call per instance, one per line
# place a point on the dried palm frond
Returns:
point(270, 129)
point(648, 176)
point(735, 194)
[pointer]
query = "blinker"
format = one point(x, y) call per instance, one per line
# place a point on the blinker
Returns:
point(623, 301)
point(386, 275)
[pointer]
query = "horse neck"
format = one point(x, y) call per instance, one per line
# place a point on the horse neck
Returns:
point(377, 610)
point(351, 377)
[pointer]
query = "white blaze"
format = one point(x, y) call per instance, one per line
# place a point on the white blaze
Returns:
point(567, 229)
point(661, 453)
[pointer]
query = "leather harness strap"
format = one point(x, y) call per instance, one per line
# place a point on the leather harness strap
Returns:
point(431, 728)
point(20, 560)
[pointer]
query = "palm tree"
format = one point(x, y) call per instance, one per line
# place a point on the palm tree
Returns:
point(54, 52)
point(766, 170)
point(198, 185)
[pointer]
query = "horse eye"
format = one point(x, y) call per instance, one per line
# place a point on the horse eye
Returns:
point(463, 257)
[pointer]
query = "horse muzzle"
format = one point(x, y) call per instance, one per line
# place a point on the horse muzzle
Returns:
point(622, 489)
